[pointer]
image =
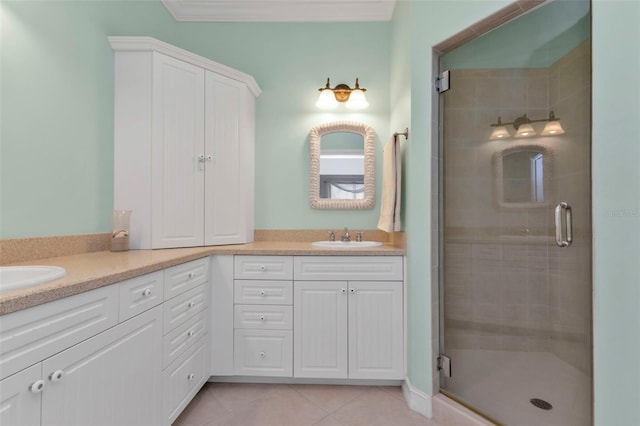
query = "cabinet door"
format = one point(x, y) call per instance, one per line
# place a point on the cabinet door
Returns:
point(20, 397)
point(228, 185)
point(376, 330)
point(320, 329)
point(178, 141)
point(113, 378)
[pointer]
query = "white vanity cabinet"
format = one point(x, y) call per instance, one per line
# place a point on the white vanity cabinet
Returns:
point(107, 377)
point(348, 316)
point(183, 146)
point(263, 316)
point(131, 353)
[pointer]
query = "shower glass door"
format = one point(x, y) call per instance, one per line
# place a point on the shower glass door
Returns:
point(516, 219)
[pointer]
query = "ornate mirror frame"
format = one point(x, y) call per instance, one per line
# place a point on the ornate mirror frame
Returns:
point(315, 137)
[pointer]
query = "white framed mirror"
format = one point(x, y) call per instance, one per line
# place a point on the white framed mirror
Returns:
point(522, 176)
point(342, 166)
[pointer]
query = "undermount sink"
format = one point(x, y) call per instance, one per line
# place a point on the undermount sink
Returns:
point(17, 277)
point(346, 244)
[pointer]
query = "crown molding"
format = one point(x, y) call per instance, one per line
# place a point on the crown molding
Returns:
point(130, 44)
point(281, 10)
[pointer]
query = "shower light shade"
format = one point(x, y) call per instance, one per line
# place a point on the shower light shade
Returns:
point(553, 126)
point(327, 100)
point(500, 132)
point(525, 130)
point(357, 100)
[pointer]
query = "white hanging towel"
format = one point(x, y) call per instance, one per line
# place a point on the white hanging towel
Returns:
point(391, 186)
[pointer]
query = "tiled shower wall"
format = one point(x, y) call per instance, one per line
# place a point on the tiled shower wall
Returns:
point(520, 292)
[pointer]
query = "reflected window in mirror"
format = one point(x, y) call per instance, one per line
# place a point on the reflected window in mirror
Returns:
point(342, 166)
point(522, 176)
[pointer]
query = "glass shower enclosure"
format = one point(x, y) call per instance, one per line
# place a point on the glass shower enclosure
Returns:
point(516, 220)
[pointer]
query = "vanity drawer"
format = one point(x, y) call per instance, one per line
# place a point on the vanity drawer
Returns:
point(266, 317)
point(257, 292)
point(340, 268)
point(186, 276)
point(182, 380)
point(182, 337)
point(263, 352)
point(140, 293)
point(179, 309)
point(263, 267)
point(31, 335)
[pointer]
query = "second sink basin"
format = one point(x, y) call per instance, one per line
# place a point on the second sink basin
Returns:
point(346, 244)
point(16, 277)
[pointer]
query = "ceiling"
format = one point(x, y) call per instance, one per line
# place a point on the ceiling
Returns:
point(281, 10)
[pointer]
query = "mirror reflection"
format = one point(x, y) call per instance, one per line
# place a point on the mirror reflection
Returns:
point(342, 166)
point(522, 176)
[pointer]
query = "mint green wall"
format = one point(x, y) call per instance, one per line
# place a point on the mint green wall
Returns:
point(616, 212)
point(57, 107)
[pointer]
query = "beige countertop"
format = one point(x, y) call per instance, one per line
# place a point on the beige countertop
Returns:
point(88, 271)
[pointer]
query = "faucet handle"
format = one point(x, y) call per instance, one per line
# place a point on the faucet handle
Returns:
point(332, 236)
point(359, 236)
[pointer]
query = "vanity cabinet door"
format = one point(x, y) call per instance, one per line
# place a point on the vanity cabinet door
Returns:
point(21, 394)
point(320, 329)
point(177, 173)
point(375, 330)
point(113, 378)
point(229, 162)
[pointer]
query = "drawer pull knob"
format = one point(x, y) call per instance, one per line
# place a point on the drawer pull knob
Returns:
point(37, 386)
point(262, 354)
point(352, 290)
point(56, 376)
point(191, 376)
point(191, 305)
point(191, 333)
point(263, 268)
point(146, 292)
point(262, 318)
point(192, 275)
point(344, 290)
point(263, 293)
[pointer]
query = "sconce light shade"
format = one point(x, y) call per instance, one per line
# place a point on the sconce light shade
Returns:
point(327, 100)
point(500, 132)
point(553, 126)
point(357, 100)
point(525, 130)
point(354, 98)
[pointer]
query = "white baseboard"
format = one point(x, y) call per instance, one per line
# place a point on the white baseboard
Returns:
point(417, 400)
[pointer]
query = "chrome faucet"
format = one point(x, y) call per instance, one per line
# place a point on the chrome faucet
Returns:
point(359, 237)
point(346, 237)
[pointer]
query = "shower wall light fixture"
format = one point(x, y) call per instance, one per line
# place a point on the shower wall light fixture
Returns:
point(354, 98)
point(524, 128)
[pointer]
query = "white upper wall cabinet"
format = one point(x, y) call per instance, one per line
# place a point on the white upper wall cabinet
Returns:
point(183, 146)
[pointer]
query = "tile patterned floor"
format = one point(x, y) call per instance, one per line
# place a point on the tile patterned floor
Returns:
point(234, 404)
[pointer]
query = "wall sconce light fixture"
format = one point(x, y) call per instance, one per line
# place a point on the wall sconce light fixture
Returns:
point(354, 98)
point(524, 128)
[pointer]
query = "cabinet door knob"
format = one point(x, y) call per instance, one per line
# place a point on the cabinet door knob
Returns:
point(191, 376)
point(37, 386)
point(344, 290)
point(191, 333)
point(352, 290)
point(262, 318)
point(263, 293)
point(262, 354)
point(56, 376)
point(146, 292)
point(191, 305)
point(263, 268)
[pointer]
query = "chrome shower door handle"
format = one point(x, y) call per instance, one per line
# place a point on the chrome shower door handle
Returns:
point(563, 220)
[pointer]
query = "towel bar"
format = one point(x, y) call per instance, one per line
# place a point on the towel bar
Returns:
point(405, 134)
